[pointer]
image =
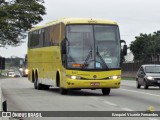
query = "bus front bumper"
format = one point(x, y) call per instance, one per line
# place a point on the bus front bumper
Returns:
point(92, 84)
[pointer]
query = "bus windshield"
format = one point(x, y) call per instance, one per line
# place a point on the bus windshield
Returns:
point(93, 46)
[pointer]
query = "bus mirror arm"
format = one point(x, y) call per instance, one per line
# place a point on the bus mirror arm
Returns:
point(123, 41)
point(124, 50)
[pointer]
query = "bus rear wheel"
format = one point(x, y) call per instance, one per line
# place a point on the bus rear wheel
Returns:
point(106, 91)
point(37, 85)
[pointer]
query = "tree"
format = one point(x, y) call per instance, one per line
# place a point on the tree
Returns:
point(13, 61)
point(16, 17)
point(145, 46)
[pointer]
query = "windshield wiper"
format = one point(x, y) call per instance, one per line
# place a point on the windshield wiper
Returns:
point(88, 56)
point(101, 58)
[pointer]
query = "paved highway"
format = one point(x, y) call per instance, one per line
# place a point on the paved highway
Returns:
point(21, 96)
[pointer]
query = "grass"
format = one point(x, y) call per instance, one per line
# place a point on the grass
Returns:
point(2, 77)
point(128, 78)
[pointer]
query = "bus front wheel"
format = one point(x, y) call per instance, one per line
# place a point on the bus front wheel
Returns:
point(63, 91)
point(106, 91)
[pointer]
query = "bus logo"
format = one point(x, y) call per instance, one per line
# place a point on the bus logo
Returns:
point(94, 76)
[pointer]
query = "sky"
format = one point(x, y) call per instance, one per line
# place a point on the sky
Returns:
point(133, 17)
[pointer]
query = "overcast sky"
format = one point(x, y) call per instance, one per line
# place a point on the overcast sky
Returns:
point(133, 16)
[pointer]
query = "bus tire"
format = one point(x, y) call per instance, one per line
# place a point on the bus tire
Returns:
point(57, 79)
point(106, 91)
point(37, 85)
point(63, 91)
point(45, 87)
point(35, 81)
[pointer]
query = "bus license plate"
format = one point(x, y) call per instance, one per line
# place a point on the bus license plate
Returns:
point(95, 84)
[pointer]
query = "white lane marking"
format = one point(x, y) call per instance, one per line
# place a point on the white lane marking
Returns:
point(110, 103)
point(127, 109)
point(95, 98)
point(153, 119)
point(141, 92)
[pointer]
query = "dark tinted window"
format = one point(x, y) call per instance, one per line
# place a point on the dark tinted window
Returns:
point(34, 39)
point(49, 36)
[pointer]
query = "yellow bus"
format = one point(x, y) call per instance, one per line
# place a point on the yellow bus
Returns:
point(76, 53)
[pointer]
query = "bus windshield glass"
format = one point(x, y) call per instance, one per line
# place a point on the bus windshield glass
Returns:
point(93, 47)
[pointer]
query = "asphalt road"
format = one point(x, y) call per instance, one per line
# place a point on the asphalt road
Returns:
point(21, 96)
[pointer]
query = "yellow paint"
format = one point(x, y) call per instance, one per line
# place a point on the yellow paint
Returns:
point(47, 61)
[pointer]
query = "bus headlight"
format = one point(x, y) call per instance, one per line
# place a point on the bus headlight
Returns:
point(74, 77)
point(115, 77)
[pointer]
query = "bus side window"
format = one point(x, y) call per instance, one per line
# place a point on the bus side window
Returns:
point(52, 29)
point(55, 34)
point(47, 37)
point(41, 38)
point(29, 39)
point(34, 39)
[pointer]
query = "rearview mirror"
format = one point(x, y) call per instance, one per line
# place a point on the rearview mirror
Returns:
point(125, 50)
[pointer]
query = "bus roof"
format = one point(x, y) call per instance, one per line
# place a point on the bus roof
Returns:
point(76, 21)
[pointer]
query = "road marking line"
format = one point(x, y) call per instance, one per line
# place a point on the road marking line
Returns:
point(153, 119)
point(110, 103)
point(127, 109)
point(95, 98)
point(141, 92)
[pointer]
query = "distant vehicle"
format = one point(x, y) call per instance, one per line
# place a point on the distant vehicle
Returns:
point(25, 72)
point(14, 74)
point(148, 75)
point(11, 74)
point(17, 74)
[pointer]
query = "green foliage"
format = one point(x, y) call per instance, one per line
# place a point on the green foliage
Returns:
point(145, 46)
point(13, 62)
point(16, 17)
